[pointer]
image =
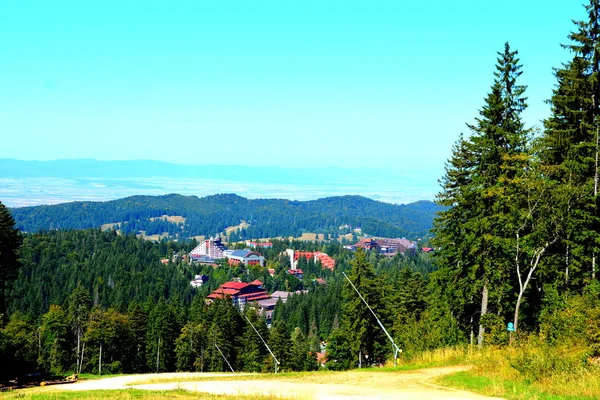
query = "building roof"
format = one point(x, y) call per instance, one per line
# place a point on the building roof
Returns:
point(279, 294)
point(267, 303)
point(243, 253)
point(234, 285)
point(256, 282)
point(220, 293)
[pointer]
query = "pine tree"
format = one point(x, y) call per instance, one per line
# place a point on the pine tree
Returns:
point(571, 148)
point(79, 311)
point(471, 232)
point(368, 342)
point(10, 240)
point(279, 342)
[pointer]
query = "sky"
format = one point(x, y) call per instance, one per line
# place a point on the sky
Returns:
point(265, 83)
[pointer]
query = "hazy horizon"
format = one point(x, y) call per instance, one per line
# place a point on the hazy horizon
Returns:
point(28, 183)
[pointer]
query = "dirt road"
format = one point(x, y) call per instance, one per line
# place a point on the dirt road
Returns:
point(355, 385)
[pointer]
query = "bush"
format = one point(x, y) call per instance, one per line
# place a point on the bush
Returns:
point(535, 359)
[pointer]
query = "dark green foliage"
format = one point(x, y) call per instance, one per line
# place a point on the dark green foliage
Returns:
point(475, 233)
point(137, 325)
point(569, 151)
point(339, 355)
point(18, 347)
point(161, 337)
point(188, 348)
point(254, 350)
point(108, 330)
point(10, 240)
point(211, 215)
point(56, 353)
point(301, 358)
point(367, 340)
point(114, 270)
point(280, 344)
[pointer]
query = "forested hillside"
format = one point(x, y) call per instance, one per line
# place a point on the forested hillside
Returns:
point(211, 215)
point(116, 270)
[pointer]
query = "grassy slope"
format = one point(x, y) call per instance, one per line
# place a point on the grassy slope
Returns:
point(48, 393)
point(493, 374)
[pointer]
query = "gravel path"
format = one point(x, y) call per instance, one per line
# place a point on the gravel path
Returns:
point(359, 386)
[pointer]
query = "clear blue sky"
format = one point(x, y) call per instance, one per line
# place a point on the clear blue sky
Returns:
point(285, 83)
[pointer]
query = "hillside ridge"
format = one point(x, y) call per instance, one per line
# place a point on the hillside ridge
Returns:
point(210, 215)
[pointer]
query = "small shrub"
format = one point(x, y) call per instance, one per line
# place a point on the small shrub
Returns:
point(535, 360)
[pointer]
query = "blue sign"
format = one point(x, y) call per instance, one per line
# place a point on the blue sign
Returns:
point(510, 327)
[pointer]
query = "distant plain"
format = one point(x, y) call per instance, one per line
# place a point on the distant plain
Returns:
point(25, 183)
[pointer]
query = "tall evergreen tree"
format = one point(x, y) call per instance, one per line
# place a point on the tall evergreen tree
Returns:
point(471, 232)
point(367, 340)
point(10, 240)
point(570, 149)
point(79, 310)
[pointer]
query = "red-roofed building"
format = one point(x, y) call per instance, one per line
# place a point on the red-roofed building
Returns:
point(296, 272)
point(426, 249)
point(326, 260)
point(368, 244)
point(239, 292)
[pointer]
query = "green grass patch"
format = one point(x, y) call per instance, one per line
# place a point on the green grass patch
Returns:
point(96, 376)
point(506, 388)
point(128, 394)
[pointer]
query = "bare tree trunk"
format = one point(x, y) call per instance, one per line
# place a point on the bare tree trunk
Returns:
point(100, 361)
point(158, 354)
point(533, 264)
point(472, 335)
point(567, 269)
point(78, 349)
point(595, 184)
point(484, 304)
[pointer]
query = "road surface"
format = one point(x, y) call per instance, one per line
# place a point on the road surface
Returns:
point(355, 385)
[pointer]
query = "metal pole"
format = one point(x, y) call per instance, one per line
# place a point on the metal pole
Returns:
point(263, 340)
point(223, 355)
point(394, 346)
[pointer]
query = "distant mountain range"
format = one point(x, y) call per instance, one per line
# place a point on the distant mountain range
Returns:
point(212, 214)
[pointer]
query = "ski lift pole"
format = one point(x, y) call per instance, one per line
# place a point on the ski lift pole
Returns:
point(394, 346)
point(223, 355)
point(263, 340)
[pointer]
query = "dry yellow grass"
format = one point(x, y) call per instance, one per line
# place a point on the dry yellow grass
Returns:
point(155, 238)
point(175, 219)
point(106, 227)
point(242, 225)
point(129, 394)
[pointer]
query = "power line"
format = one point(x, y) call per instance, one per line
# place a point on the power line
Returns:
point(263, 340)
point(394, 346)
point(223, 355)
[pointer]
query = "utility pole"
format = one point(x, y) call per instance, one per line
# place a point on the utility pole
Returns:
point(394, 346)
point(100, 361)
point(266, 345)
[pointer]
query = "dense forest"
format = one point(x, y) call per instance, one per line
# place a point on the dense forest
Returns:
point(77, 291)
point(212, 214)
